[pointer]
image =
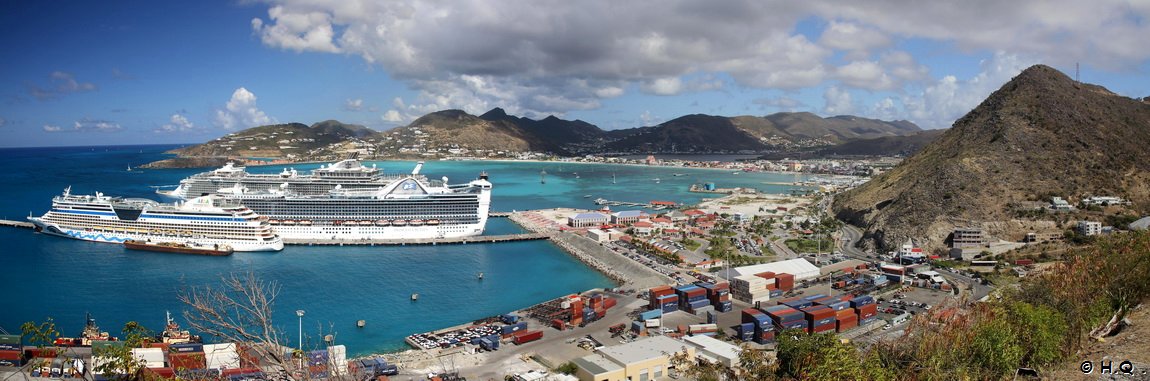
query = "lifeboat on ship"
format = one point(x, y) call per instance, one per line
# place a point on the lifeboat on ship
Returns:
point(416, 223)
point(305, 222)
point(382, 223)
point(274, 222)
point(399, 223)
point(337, 222)
point(289, 222)
point(432, 222)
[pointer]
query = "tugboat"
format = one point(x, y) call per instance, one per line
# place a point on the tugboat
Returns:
point(90, 333)
point(174, 335)
point(189, 247)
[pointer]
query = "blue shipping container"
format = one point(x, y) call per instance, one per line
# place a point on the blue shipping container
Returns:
point(507, 329)
point(712, 318)
point(648, 315)
point(11, 347)
point(705, 285)
point(826, 321)
point(797, 304)
point(726, 306)
point(187, 348)
point(474, 341)
point(868, 320)
point(838, 306)
point(776, 293)
point(699, 303)
point(862, 301)
point(509, 318)
point(686, 287)
point(799, 324)
point(815, 296)
point(670, 308)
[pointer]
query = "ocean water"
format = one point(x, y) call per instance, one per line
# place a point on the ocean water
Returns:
point(46, 276)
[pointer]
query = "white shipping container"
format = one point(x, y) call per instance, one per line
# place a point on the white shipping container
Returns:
point(219, 348)
point(150, 356)
point(221, 356)
point(652, 323)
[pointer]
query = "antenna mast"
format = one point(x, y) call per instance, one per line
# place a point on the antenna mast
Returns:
point(1076, 72)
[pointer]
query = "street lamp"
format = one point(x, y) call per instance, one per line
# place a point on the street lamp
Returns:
point(300, 314)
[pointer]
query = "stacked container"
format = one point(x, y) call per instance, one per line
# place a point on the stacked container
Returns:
point(833, 302)
point(751, 289)
point(657, 292)
point(745, 331)
point(509, 330)
point(11, 350)
point(668, 303)
point(866, 309)
point(820, 318)
point(703, 329)
point(221, 356)
point(845, 319)
point(317, 363)
point(785, 282)
point(150, 357)
point(796, 303)
point(785, 317)
point(187, 356)
point(691, 297)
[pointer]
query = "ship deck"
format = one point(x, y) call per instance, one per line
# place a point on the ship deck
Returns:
point(429, 241)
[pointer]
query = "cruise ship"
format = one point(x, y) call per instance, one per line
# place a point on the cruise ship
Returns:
point(209, 220)
point(409, 208)
point(347, 174)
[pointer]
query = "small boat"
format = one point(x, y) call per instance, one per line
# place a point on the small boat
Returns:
point(586, 196)
point(289, 222)
point(416, 223)
point(180, 247)
point(399, 223)
point(576, 174)
point(480, 276)
point(414, 296)
point(129, 168)
point(680, 174)
point(656, 180)
point(174, 335)
point(382, 223)
point(90, 333)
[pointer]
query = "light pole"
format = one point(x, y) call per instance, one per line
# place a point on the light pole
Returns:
point(300, 314)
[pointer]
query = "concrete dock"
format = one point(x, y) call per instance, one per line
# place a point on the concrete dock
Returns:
point(16, 224)
point(431, 241)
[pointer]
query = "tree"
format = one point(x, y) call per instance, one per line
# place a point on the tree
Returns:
point(567, 368)
point(240, 310)
point(118, 360)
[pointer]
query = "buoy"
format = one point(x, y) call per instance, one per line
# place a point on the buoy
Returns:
point(480, 276)
point(361, 323)
point(328, 338)
point(414, 296)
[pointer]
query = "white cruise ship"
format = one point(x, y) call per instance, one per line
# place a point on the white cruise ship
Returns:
point(347, 174)
point(405, 209)
point(204, 220)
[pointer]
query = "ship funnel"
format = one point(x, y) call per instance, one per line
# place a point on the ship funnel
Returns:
point(418, 166)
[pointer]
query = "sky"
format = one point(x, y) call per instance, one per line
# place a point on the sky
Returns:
point(142, 72)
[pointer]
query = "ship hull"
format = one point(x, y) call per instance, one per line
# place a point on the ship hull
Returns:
point(335, 233)
point(120, 238)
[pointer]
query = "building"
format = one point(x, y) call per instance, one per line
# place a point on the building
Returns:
point(628, 217)
point(1141, 224)
point(1104, 201)
point(714, 350)
point(583, 220)
point(647, 359)
point(1060, 205)
point(967, 237)
point(798, 267)
point(599, 235)
point(1089, 228)
point(642, 228)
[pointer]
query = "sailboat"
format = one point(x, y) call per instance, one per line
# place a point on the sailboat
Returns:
point(129, 167)
point(656, 180)
point(543, 176)
point(612, 177)
point(576, 174)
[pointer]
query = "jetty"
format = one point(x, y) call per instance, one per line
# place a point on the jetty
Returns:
point(16, 224)
point(428, 241)
point(498, 214)
point(657, 205)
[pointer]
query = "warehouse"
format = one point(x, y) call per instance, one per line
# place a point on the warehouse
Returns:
point(715, 350)
point(647, 359)
point(799, 267)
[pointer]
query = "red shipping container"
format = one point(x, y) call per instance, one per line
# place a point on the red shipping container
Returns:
point(723, 286)
point(44, 353)
point(823, 328)
point(869, 308)
point(163, 346)
point(609, 302)
point(1023, 262)
point(696, 292)
point(772, 286)
point(559, 324)
point(600, 313)
point(167, 373)
point(766, 275)
point(847, 312)
point(528, 336)
point(575, 322)
point(865, 315)
point(818, 312)
point(187, 360)
point(786, 282)
point(11, 355)
point(844, 325)
point(662, 290)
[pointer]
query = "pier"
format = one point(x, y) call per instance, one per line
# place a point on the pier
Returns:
point(16, 224)
point(430, 241)
point(656, 205)
point(498, 214)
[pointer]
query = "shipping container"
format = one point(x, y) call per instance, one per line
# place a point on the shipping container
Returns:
point(814, 297)
point(187, 360)
point(670, 307)
point(726, 306)
point(509, 318)
point(527, 337)
point(11, 339)
point(765, 337)
point(11, 355)
point(637, 326)
point(823, 328)
point(165, 373)
point(798, 304)
point(512, 328)
point(652, 314)
point(11, 347)
point(839, 305)
point(784, 281)
point(187, 347)
point(608, 303)
point(862, 301)
point(863, 321)
point(795, 324)
point(743, 333)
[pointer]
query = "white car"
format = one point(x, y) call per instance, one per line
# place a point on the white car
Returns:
point(886, 327)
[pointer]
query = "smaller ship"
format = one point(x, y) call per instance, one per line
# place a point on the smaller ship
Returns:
point(656, 180)
point(90, 333)
point(216, 250)
point(680, 174)
point(174, 335)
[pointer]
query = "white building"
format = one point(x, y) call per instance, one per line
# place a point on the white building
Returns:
point(798, 267)
point(583, 220)
point(1089, 228)
point(714, 350)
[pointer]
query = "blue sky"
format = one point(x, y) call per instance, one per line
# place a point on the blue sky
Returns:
point(118, 72)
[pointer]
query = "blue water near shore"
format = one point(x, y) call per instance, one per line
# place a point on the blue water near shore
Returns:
point(54, 277)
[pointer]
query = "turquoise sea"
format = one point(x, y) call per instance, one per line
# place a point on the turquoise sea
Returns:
point(54, 277)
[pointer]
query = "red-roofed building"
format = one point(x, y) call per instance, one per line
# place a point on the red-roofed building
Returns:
point(694, 212)
point(642, 227)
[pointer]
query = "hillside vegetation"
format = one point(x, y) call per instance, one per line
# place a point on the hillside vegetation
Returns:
point(1042, 134)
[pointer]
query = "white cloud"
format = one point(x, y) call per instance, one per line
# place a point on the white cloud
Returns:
point(838, 101)
point(392, 116)
point(177, 123)
point(941, 103)
point(664, 86)
point(241, 112)
point(535, 58)
point(864, 74)
point(852, 37)
point(885, 109)
point(86, 125)
point(353, 105)
point(782, 103)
